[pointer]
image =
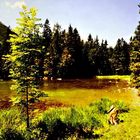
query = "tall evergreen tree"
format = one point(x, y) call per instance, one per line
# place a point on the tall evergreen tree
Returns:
point(135, 58)
point(55, 52)
point(103, 59)
point(69, 54)
point(121, 58)
point(4, 50)
point(73, 53)
point(110, 58)
point(85, 57)
point(93, 55)
point(77, 54)
point(64, 58)
point(46, 42)
point(25, 53)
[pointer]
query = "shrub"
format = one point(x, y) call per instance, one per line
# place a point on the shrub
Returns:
point(11, 134)
point(68, 121)
point(59, 123)
point(122, 107)
point(83, 117)
point(102, 106)
point(11, 119)
point(78, 120)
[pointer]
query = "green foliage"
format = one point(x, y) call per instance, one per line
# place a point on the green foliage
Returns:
point(4, 50)
point(80, 119)
point(45, 51)
point(121, 106)
point(115, 77)
point(54, 52)
point(70, 121)
point(97, 57)
point(63, 54)
point(120, 58)
point(11, 119)
point(25, 54)
point(103, 105)
point(11, 134)
point(128, 128)
point(72, 116)
point(60, 123)
point(135, 58)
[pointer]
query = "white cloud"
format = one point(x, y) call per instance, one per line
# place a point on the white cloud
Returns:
point(17, 4)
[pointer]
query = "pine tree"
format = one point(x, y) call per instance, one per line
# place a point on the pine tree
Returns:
point(110, 58)
point(67, 54)
point(86, 60)
point(4, 50)
point(77, 54)
point(94, 55)
point(46, 42)
point(72, 54)
point(103, 59)
point(135, 58)
point(64, 58)
point(55, 52)
point(121, 57)
point(25, 53)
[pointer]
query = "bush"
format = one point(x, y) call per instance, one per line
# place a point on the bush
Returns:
point(68, 121)
point(83, 117)
point(59, 123)
point(11, 119)
point(122, 107)
point(102, 106)
point(79, 121)
point(11, 134)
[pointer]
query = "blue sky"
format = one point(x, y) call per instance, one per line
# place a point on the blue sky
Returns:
point(109, 19)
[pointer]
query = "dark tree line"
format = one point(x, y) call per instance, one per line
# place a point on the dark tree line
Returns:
point(135, 58)
point(4, 50)
point(64, 54)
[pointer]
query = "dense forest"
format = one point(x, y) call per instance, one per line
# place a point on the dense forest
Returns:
point(64, 54)
point(4, 50)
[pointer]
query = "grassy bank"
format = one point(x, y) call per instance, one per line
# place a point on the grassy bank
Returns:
point(129, 129)
point(115, 77)
point(60, 123)
point(73, 123)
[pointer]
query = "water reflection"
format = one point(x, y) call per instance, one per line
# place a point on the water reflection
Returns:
point(79, 92)
point(84, 84)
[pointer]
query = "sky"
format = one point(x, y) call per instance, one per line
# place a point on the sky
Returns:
point(109, 19)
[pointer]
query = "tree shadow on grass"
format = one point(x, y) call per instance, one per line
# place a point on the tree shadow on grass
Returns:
point(62, 131)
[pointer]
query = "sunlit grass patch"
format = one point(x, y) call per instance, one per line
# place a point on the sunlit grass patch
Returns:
point(11, 118)
point(115, 77)
point(82, 122)
point(79, 122)
point(129, 129)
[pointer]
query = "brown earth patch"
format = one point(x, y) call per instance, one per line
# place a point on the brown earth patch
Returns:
point(5, 103)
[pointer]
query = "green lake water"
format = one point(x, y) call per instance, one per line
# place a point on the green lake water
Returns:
point(81, 92)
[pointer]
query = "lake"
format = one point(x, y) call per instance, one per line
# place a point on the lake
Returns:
point(79, 92)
